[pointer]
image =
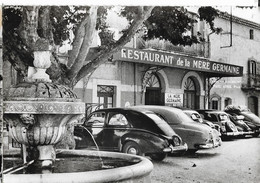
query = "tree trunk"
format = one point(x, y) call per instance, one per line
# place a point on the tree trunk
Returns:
point(29, 25)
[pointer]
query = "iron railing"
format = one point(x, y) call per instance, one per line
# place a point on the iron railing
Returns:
point(251, 81)
point(199, 49)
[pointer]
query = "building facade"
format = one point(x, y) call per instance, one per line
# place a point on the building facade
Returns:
point(239, 43)
point(157, 72)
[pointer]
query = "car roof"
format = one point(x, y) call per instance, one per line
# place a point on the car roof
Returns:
point(218, 112)
point(122, 109)
point(168, 131)
point(190, 111)
point(167, 111)
point(147, 107)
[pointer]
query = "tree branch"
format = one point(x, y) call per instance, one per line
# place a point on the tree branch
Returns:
point(83, 49)
point(79, 37)
point(102, 57)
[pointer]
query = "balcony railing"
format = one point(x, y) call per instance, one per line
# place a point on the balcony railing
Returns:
point(251, 81)
point(200, 49)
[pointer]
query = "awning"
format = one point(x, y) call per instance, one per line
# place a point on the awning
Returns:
point(167, 59)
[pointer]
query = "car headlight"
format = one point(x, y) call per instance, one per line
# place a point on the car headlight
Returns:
point(176, 141)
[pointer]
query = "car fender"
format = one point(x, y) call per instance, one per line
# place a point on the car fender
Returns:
point(148, 142)
point(193, 136)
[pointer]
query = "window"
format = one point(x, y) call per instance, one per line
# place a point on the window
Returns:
point(251, 34)
point(252, 67)
point(211, 117)
point(97, 118)
point(153, 81)
point(228, 101)
point(117, 119)
point(214, 101)
point(105, 95)
point(95, 123)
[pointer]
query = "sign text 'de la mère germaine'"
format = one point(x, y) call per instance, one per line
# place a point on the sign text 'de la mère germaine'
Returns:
point(175, 60)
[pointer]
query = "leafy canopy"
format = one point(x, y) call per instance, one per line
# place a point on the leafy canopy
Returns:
point(169, 23)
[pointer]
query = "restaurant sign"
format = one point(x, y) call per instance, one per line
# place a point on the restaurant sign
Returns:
point(176, 60)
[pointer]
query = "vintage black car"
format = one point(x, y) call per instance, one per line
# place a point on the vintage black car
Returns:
point(221, 118)
point(241, 125)
point(197, 136)
point(197, 118)
point(139, 132)
point(251, 120)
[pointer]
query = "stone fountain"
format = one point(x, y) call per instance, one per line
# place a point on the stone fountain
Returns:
point(38, 113)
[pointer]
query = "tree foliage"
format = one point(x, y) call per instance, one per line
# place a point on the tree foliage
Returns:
point(55, 24)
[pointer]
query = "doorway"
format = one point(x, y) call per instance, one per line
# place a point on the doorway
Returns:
point(190, 99)
point(253, 104)
point(153, 91)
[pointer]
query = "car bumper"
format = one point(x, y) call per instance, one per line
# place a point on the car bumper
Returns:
point(216, 143)
point(172, 149)
point(247, 133)
point(231, 134)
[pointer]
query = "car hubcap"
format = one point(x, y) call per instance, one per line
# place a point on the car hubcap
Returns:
point(132, 150)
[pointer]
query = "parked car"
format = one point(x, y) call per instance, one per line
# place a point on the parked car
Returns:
point(133, 131)
point(241, 125)
point(195, 116)
point(252, 120)
point(197, 136)
point(227, 127)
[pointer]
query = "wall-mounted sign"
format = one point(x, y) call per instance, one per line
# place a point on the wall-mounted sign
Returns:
point(176, 60)
point(174, 99)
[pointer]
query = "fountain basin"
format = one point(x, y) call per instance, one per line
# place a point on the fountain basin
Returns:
point(138, 170)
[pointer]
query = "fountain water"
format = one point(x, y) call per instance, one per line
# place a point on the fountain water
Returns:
point(38, 113)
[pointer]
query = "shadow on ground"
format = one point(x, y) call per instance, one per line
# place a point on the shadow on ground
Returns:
point(199, 154)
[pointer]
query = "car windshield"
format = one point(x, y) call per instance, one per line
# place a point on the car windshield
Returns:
point(196, 117)
point(163, 125)
point(223, 117)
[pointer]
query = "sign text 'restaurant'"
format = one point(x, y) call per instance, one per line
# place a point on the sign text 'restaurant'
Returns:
point(176, 60)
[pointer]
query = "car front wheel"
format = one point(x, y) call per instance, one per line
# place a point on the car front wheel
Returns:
point(132, 148)
point(158, 156)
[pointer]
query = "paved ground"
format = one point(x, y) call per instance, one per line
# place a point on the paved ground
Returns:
point(236, 161)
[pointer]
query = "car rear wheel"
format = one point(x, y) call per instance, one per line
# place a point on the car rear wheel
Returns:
point(132, 148)
point(158, 156)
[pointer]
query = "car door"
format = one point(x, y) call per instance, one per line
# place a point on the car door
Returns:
point(95, 125)
point(117, 125)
